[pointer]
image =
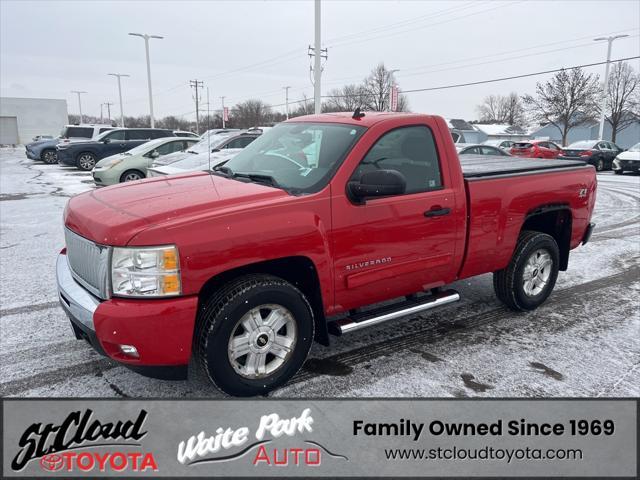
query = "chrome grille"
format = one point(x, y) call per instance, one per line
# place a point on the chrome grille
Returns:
point(89, 263)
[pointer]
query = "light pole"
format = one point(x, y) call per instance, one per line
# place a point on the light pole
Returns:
point(223, 122)
point(391, 72)
point(146, 48)
point(118, 75)
point(286, 100)
point(79, 101)
point(317, 71)
point(603, 101)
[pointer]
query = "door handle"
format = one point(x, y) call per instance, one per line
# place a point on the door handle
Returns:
point(437, 211)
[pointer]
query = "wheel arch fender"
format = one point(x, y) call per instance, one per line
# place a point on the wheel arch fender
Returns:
point(298, 270)
point(554, 220)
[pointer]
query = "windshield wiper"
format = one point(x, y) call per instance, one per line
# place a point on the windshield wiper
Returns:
point(258, 178)
point(191, 151)
point(220, 168)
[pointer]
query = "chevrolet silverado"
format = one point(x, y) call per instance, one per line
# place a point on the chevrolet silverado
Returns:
point(301, 235)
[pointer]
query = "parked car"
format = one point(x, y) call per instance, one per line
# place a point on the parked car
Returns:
point(503, 144)
point(215, 142)
point(481, 150)
point(218, 131)
point(194, 163)
point(46, 151)
point(628, 161)
point(242, 268)
point(42, 137)
point(182, 133)
point(132, 164)
point(535, 149)
point(598, 153)
point(85, 155)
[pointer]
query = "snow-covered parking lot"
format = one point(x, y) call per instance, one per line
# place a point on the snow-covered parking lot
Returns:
point(584, 342)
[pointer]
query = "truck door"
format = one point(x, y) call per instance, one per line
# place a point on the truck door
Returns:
point(396, 245)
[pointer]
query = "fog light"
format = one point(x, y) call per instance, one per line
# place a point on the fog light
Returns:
point(129, 350)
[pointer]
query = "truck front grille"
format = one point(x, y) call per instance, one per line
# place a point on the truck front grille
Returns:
point(89, 263)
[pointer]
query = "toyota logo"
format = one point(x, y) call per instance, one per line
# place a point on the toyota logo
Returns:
point(52, 462)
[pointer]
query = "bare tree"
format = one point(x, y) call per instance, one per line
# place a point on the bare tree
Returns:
point(345, 99)
point(250, 113)
point(621, 101)
point(305, 107)
point(377, 87)
point(502, 109)
point(566, 101)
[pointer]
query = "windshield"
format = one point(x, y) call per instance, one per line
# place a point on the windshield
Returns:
point(215, 141)
point(300, 157)
point(635, 148)
point(147, 146)
point(582, 144)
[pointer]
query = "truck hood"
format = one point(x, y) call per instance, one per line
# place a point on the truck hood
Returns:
point(114, 215)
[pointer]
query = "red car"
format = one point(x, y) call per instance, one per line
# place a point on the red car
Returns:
point(536, 149)
point(244, 266)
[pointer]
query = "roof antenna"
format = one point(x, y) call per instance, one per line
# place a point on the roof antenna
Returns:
point(357, 114)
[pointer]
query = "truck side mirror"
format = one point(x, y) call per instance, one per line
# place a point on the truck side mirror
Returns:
point(377, 183)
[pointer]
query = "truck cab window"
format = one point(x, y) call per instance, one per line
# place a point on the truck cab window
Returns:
point(410, 151)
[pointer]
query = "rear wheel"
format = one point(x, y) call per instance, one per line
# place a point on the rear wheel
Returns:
point(254, 334)
point(531, 275)
point(86, 161)
point(599, 165)
point(131, 176)
point(49, 156)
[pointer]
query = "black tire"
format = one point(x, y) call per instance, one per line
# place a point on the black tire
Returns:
point(599, 165)
point(86, 161)
point(509, 282)
point(220, 317)
point(128, 176)
point(618, 172)
point(49, 156)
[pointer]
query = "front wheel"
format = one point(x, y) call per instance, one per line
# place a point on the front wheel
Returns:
point(49, 157)
point(531, 275)
point(86, 161)
point(254, 334)
point(131, 176)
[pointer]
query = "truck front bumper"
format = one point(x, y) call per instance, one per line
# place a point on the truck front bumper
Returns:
point(161, 331)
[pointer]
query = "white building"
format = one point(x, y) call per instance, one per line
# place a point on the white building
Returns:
point(21, 119)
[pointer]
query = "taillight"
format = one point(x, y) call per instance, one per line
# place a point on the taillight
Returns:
point(586, 153)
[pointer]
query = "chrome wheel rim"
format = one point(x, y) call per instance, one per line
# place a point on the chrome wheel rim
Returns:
point(86, 162)
point(130, 177)
point(262, 341)
point(50, 157)
point(537, 271)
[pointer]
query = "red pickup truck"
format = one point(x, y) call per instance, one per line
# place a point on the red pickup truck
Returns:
point(244, 266)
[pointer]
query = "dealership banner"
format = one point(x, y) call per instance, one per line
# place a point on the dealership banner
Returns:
point(319, 438)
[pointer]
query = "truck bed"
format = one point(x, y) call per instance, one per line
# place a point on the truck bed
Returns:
point(481, 166)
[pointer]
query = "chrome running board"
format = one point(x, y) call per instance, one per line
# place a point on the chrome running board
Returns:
point(391, 312)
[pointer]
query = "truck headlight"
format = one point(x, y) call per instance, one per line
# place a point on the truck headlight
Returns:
point(145, 271)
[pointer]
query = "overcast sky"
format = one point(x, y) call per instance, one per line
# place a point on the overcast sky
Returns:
point(248, 49)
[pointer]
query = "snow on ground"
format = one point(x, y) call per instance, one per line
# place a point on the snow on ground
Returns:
point(583, 342)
